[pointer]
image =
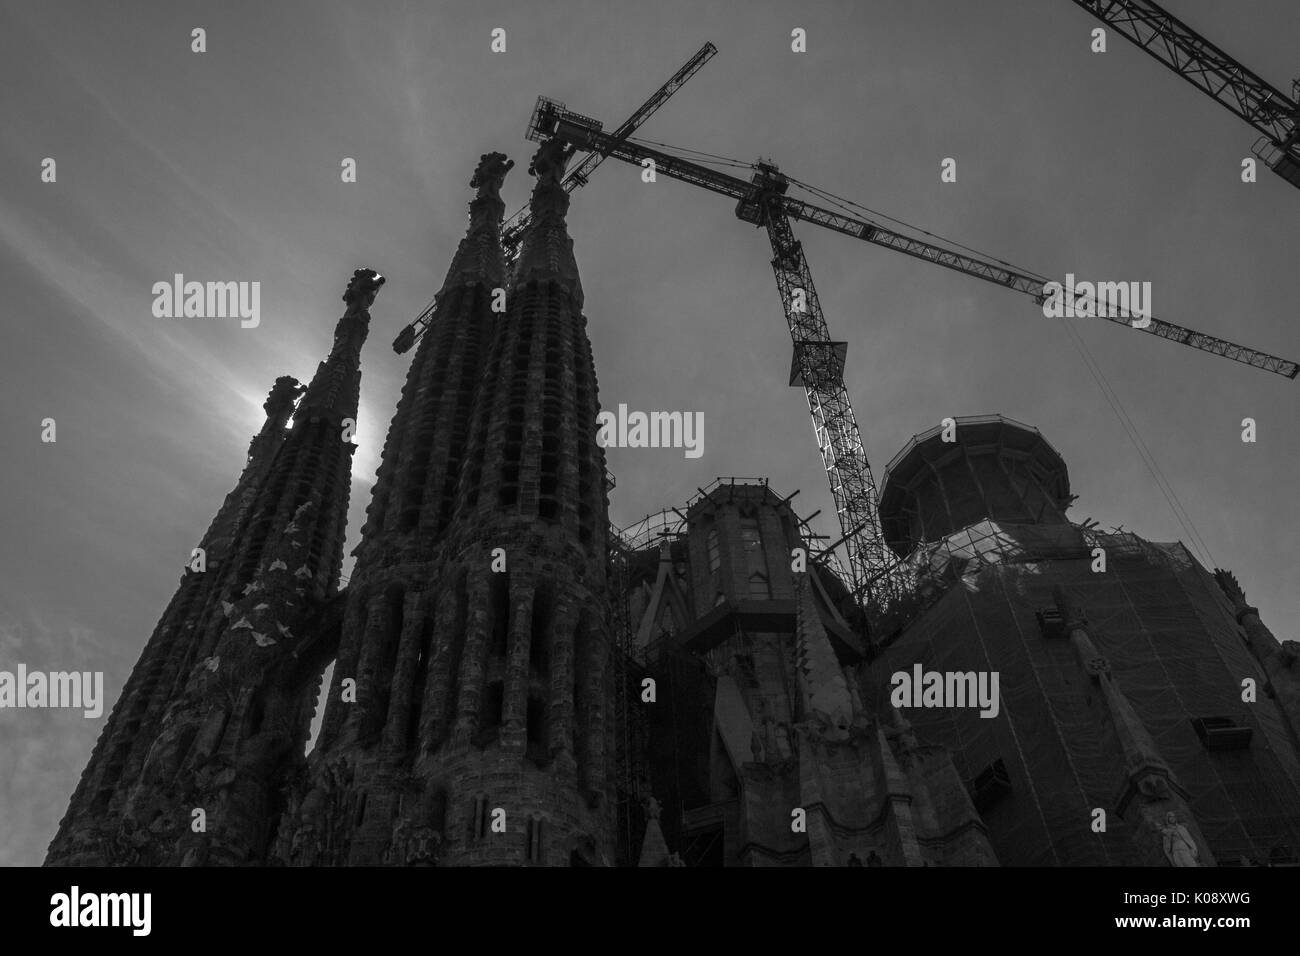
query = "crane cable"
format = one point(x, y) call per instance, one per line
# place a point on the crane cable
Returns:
point(712, 158)
point(1130, 427)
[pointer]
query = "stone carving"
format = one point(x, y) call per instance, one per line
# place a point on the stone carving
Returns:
point(549, 162)
point(283, 393)
point(1180, 848)
point(1154, 786)
point(363, 288)
point(423, 845)
point(490, 175)
point(1097, 666)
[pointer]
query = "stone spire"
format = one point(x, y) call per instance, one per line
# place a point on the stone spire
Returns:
point(547, 251)
point(476, 627)
point(221, 693)
point(93, 816)
point(479, 258)
point(335, 390)
point(420, 468)
point(261, 453)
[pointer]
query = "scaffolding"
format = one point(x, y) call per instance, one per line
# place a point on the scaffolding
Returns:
point(630, 773)
point(923, 576)
point(986, 601)
point(671, 523)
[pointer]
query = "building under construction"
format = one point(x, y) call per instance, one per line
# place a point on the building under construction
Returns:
point(1133, 684)
point(515, 683)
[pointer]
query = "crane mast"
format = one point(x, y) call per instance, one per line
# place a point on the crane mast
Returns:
point(1213, 72)
point(817, 365)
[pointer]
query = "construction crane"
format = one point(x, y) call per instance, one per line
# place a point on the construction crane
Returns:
point(818, 360)
point(1214, 73)
point(514, 228)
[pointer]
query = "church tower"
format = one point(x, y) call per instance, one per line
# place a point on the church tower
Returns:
point(468, 721)
point(777, 756)
point(216, 697)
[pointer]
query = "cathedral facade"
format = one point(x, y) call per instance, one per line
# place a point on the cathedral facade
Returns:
point(514, 683)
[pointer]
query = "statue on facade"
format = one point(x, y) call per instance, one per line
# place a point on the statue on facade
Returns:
point(1180, 848)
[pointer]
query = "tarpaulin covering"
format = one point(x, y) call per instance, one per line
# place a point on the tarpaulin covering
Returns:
point(1175, 652)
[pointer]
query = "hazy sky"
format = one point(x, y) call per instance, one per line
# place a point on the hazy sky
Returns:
point(225, 165)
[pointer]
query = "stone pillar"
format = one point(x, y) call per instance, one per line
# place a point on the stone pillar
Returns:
point(405, 674)
point(473, 664)
point(368, 665)
point(434, 718)
point(514, 734)
point(562, 683)
point(337, 713)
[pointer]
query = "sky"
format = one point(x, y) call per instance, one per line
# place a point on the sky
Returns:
point(225, 166)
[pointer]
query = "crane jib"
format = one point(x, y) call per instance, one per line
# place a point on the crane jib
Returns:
point(762, 202)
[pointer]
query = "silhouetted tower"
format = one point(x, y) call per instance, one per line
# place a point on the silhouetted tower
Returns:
point(775, 757)
point(216, 697)
point(476, 628)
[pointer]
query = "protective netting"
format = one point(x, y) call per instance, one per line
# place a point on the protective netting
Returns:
point(1175, 652)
